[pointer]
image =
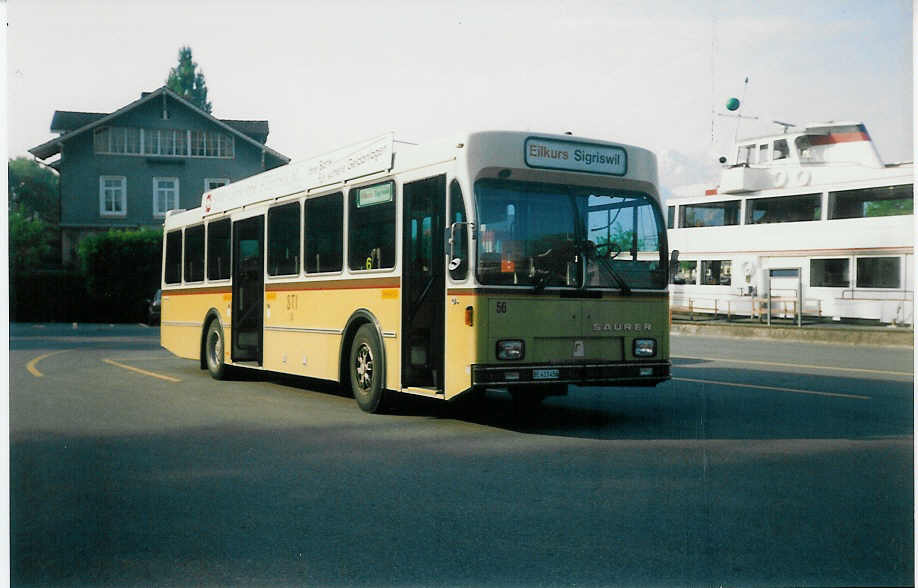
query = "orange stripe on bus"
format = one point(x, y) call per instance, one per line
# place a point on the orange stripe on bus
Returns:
point(365, 284)
point(201, 290)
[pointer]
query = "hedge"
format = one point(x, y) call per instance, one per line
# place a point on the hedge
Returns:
point(121, 269)
point(118, 271)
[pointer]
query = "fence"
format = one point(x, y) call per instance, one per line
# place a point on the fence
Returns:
point(753, 307)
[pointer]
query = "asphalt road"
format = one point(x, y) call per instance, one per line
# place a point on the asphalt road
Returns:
point(760, 463)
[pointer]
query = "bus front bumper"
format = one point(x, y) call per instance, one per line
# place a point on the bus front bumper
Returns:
point(644, 373)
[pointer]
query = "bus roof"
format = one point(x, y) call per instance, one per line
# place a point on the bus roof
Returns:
point(381, 154)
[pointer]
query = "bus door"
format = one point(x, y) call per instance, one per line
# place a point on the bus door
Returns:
point(248, 288)
point(423, 283)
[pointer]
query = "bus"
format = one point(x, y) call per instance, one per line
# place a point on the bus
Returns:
point(494, 259)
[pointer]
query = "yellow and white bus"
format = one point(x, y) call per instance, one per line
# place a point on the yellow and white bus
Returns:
point(497, 259)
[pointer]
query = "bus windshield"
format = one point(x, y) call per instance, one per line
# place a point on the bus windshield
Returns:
point(550, 235)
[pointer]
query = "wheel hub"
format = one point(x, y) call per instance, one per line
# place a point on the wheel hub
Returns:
point(363, 365)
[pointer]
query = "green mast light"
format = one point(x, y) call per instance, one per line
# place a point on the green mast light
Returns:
point(733, 104)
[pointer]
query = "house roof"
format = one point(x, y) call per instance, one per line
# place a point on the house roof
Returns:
point(72, 123)
point(65, 120)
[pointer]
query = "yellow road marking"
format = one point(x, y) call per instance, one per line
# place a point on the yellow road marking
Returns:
point(796, 365)
point(140, 371)
point(31, 365)
point(776, 388)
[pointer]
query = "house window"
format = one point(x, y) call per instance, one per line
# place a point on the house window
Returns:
point(174, 142)
point(132, 141)
point(165, 196)
point(878, 272)
point(212, 183)
point(112, 196)
point(715, 272)
point(165, 142)
point(829, 273)
point(211, 144)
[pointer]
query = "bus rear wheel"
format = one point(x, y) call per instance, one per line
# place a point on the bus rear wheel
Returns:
point(213, 351)
point(366, 370)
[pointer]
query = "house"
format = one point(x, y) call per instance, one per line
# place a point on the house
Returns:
point(125, 169)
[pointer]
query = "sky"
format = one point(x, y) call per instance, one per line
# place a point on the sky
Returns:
point(328, 73)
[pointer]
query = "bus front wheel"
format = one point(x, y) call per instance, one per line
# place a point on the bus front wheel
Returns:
point(213, 350)
point(366, 370)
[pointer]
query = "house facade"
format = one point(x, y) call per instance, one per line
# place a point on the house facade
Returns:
point(127, 168)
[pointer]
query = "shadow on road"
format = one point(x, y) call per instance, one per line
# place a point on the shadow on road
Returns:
point(792, 408)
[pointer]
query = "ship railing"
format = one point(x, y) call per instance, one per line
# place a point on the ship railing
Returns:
point(731, 306)
point(878, 295)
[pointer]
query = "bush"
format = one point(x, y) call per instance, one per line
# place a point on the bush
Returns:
point(120, 269)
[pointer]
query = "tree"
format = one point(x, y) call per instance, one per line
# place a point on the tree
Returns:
point(188, 82)
point(33, 190)
point(28, 241)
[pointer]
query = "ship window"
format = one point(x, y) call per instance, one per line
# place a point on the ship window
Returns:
point(715, 272)
point(714, 214)
point(763, 153)
point(745, 154)
point(878, 272)
point(780, 150)
point(866, 202)
point(687, 273)
point(670, 217)
point(829, 273)
point(786, 209)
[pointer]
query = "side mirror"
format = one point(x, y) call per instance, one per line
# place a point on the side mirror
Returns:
point(673, 263)
point(452, 242)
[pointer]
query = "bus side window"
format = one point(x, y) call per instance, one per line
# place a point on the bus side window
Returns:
point(173, 264)
point(324, 233)
point(460, 244)
point(194, 254)
point(371, 227)
point(284, 239)
point(218, 250)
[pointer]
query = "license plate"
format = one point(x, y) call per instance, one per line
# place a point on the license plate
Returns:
point(551, 374)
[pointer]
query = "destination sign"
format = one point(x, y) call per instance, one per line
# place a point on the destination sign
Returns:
point(570, 155)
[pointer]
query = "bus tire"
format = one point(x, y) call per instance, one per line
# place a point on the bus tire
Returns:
point(366, 370)
point(214, 350)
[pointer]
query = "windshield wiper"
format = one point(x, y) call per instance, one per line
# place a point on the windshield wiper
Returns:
point(589, 252)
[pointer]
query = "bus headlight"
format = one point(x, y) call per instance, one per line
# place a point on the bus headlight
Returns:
point(645, 347)
point(510, 349)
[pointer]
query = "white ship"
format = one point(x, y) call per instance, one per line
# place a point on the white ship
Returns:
point(809, 221)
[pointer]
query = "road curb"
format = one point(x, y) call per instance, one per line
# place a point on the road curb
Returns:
point(872, 336)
